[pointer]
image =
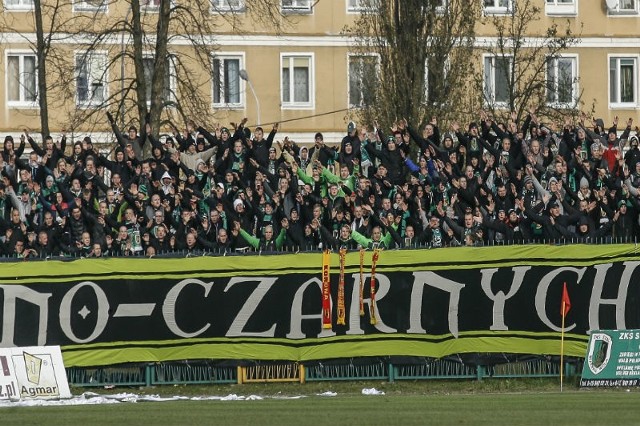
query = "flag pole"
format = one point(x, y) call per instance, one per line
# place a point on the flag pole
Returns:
point(565, 306)
point(562, 346)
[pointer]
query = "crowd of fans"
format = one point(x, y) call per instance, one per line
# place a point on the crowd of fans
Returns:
point(229, 190)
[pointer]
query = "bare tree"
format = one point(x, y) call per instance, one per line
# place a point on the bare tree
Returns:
point(39, 80)
point(152, 61)
point(425, 57)
point(165, 59)
point(524, 72)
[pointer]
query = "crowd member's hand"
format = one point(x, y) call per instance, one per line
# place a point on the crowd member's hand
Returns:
point(477, 217)
point(491, 206)
point(583, 117)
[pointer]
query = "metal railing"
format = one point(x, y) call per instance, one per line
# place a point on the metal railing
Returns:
point(494, 366)
point(313, 249)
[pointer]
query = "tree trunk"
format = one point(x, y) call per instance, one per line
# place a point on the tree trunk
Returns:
point(41, 70)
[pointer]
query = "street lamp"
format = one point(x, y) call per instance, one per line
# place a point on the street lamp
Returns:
point(245, 76)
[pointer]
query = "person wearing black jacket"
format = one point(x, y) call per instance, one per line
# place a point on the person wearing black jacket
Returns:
point(392, 158)
point(50, 153)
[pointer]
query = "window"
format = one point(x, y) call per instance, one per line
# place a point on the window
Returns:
point(91, 69)
point(497, 6)
point(90, 6)
point(623, 7)
point(441, 5)
point(21, 79)
point(227, 5)
point(297, 80)
point(496, 79)
point(359, 6)
point(290, 6)
point(18, 4)
point(227, 86)
point(562, 81)
point(169, 79)
point(623, 81)
point(435, 79)
point(150, 5)
point(561, 7)
point(363, 75)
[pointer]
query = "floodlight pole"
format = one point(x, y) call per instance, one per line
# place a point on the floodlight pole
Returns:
point(245, 76)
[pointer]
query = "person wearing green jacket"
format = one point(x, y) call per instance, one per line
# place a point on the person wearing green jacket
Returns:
point(344, 179)
point(267, 242)
point(377, 240)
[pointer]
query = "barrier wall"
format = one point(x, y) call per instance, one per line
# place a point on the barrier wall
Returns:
point(430, 303)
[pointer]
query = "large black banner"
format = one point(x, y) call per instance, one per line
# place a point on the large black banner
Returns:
point(214, 309)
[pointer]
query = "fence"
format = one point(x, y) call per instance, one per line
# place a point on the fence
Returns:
point(386, 369)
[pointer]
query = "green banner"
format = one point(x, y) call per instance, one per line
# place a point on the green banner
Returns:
point(613, 359)
point(429, 303)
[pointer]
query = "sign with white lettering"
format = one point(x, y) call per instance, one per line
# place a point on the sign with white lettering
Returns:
point(429, 303)
point(613, 359)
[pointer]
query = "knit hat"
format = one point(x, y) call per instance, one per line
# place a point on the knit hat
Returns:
point(237, 202)
point(527, 179)
point(351, 127)
point(584, 183)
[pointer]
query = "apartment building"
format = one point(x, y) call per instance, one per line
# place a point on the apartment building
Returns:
point(307, 76)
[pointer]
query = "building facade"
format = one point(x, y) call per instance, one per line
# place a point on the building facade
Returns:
point(306, 76)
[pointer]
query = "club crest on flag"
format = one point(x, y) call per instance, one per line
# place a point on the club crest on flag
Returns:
point(599, 352)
